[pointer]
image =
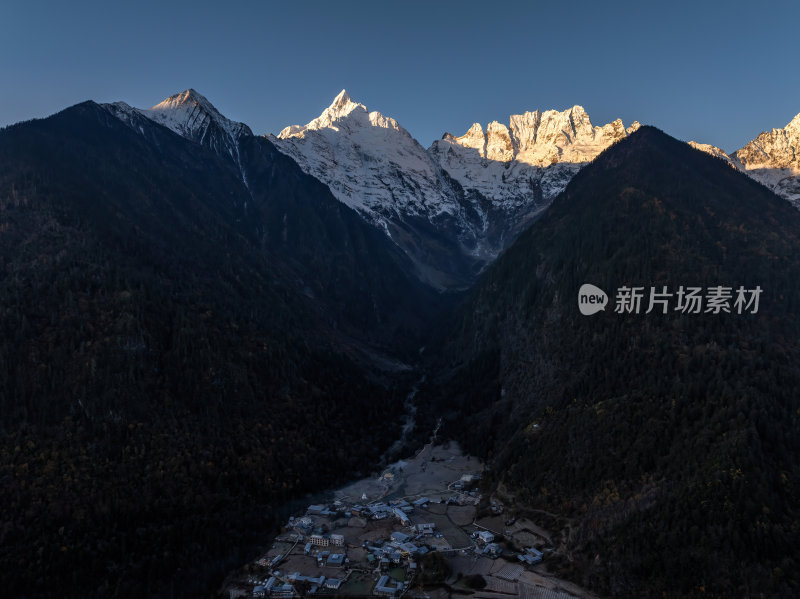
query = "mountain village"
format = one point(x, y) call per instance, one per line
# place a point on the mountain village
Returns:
point(421, 529)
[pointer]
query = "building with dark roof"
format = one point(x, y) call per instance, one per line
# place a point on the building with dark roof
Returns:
point(386, 587)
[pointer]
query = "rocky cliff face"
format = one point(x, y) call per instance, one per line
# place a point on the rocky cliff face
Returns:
point(529, 161)
point(773, 158)
point(779, 148)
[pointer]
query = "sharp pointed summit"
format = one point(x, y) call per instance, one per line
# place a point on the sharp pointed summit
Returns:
point(341, 99)
point(342, 107)
point(191, 115)
point(351, 150)
point(189, 100)
point(794, 124)
point(190, 96)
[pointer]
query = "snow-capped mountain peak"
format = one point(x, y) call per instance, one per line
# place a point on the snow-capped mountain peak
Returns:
point(529, 160)
point(342, 107)
point(191, 115)
point(772, 158)
point(367, 159)
point(342, 103)
point(543, 138)
point(189, 96)
point(794, 124)
point(474, 138)
point(779, 148)
point(343, 113)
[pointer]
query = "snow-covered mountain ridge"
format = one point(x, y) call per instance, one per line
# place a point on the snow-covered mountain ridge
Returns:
point(190, 115)
point(479, 190)
point(360, 154)
point(772, 158)
point(532, 158)
point(452, 208)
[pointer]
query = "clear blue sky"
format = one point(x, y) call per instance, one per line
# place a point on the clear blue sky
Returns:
point(717, 72)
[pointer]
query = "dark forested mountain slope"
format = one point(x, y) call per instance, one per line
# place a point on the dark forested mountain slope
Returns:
point(670, 440)
point(361, 281)
point(177, 352)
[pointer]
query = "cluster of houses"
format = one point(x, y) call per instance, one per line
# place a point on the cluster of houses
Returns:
point(326, 558)
point(280, 587)
point(399, 549)
point(486, 545)
point(380, 511)
point(385, 557)
point(286, 590)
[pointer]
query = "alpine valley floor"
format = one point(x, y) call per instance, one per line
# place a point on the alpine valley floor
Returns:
point(421, 529)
